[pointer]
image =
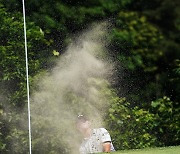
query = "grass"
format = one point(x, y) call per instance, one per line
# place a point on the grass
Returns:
point(163, 150)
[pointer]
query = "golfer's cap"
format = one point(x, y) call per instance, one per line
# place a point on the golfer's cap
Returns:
point(81, 118)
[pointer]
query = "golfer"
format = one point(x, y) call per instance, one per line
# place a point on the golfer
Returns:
point(95, 140)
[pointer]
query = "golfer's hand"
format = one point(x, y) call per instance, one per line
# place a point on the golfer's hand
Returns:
point(107, 147)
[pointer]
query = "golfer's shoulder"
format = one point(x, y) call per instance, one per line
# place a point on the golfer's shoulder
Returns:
point(101, 131)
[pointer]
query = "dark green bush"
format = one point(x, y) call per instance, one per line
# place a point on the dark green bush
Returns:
point(13, 133)
point(130, 127)
point(167, 124)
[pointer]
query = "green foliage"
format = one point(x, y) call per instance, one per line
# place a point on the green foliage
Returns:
point(130, 128)
point(135, 40)
point(61, 18)
point(139, 128)
point(2, 145)
point(147, 57)
point(135, 47)
point(13, 75)
point(167, 120)
point(175, 78)
point(12, 58)
point(165, 16)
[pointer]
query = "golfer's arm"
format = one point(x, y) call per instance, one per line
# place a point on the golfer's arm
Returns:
point(107, 147)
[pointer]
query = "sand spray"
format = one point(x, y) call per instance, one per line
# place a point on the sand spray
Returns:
point(76, 85)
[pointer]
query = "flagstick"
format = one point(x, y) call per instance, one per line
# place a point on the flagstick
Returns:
point(25, 42)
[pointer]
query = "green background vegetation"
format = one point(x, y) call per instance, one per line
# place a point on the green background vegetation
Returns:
point(145, 46)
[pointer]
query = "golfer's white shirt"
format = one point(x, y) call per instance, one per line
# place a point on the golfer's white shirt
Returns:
point(93, 144)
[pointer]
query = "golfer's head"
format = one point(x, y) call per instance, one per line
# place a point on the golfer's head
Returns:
point(82, 123)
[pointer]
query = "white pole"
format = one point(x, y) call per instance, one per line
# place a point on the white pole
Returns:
point(27, 79)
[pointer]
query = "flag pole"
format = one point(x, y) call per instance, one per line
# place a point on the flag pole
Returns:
point(27, 75)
